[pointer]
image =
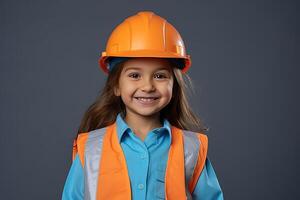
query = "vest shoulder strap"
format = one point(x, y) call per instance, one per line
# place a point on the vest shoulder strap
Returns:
point(195, 153)
point(89, 147)
point(85, 143)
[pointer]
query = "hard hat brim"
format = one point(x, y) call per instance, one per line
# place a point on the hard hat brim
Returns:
point(143, 53)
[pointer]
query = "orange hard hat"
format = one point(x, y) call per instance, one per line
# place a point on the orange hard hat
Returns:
point(145, 35)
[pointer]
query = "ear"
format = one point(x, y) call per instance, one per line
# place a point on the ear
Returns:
point(117, 91)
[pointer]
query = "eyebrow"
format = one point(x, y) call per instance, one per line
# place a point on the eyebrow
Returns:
point(131, 68)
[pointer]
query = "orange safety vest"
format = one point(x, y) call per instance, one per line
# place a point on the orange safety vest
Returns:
point(105, 169)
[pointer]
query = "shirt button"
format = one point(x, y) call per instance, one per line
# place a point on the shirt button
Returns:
point(141, 186)
point(143, 156)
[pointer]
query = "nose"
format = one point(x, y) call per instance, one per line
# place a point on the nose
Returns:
point(147, 85)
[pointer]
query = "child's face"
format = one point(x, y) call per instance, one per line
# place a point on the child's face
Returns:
point(151, 78)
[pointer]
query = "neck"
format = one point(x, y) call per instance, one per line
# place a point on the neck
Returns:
point(141, 125)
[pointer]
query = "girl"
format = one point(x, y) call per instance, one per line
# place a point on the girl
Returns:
point(140, 139)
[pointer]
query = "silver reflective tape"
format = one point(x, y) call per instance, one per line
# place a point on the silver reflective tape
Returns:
point(191, 151)
point(92, 152)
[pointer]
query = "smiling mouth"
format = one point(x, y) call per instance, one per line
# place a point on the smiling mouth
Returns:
point(146, 98)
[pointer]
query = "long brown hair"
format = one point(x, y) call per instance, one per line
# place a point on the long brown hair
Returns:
point(104, 110)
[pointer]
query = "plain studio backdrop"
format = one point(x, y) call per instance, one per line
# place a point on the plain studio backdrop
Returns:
point(245, 68)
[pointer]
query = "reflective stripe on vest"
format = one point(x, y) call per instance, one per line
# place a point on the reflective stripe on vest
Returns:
point(186, 160)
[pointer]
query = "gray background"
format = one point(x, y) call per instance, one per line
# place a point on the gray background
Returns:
point(245, 71)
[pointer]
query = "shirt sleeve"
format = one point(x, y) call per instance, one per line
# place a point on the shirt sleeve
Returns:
point(207, 187)
point(74, 185)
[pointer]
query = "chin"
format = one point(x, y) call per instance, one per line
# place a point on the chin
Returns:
point(146, 112)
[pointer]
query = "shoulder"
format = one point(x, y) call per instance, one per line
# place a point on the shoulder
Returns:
point(195, 138)
point(90, 136)
point(85, 141)
point(195, 144)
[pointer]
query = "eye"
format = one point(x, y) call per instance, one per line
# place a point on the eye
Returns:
point(161, 76)
point(134, 75)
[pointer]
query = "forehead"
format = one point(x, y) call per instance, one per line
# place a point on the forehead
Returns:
point(148, 64)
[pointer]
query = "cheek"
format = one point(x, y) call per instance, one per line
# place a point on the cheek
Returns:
point(170, 90)
point(127, 89)
point(167, 89)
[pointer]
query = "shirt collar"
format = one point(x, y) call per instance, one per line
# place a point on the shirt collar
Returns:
point(122, 127)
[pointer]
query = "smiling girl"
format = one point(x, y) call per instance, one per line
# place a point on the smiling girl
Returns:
point(140, 139)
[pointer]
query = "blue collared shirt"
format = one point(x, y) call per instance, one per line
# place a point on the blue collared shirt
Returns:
point(146, 162)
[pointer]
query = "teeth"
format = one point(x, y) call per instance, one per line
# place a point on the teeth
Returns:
point(146, 99)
